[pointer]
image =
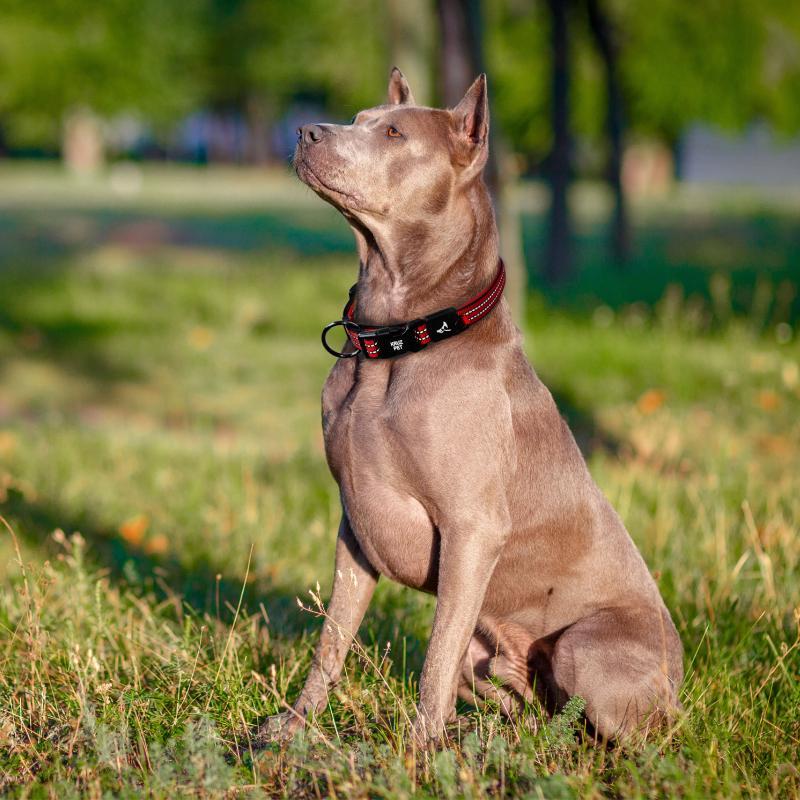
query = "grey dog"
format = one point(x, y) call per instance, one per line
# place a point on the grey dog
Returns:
point(457, 474)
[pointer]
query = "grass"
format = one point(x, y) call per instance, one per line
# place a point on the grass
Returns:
point(166, 500)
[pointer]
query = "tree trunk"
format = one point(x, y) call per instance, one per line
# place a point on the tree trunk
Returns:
point(558, 264)
point(82, 143)
point(608, 48)
point(461, 61)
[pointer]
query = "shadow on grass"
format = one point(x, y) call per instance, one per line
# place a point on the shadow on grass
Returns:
point(72, 342)
point(200, 585)
point(735, 264)
point(38, 251)
point(35, 239)
point(588, 433)
point(760, 247)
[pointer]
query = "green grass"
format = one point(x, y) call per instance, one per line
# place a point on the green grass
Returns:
point(162, 476)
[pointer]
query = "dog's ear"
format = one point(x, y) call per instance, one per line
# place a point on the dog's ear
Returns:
point(399, 90)
point(471, 115)
point(470, 121)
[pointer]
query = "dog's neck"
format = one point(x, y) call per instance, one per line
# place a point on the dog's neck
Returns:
point(410, 269)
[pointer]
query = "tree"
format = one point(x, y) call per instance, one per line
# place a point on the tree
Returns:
point(646, 72)
point(558, 262)
point(60, 56)
point(262, 53)
point(159, 61)
point(607, 40)
point(723, 63)
point(461, 59)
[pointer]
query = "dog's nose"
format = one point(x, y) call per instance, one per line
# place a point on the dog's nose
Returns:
point(310, 134)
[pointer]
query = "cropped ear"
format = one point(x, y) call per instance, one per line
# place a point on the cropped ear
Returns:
point(399, 90)
point(471, 115)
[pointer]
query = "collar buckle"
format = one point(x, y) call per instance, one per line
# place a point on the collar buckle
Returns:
point(351, 328)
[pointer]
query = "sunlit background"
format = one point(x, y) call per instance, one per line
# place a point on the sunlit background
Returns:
point(163, 281)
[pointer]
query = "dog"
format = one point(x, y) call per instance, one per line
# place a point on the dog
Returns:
point(457, 474)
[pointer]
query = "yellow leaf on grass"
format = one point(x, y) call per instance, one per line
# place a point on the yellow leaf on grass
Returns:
point(651, 401)
point(201, 337)
point(8, 443)
point(776, 445)
point(790, 374)
point(768, 400)
point(156, 545)
point(134, 529)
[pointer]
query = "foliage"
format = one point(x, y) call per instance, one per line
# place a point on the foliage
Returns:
point(273, 50)
point(57, 56)
point(518, 52)
point(159, 61)
point(722, 62)
point(159, 393)
point(726, 63)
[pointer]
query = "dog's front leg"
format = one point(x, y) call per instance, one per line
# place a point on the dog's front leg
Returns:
point(353, 585)
point(468, 553)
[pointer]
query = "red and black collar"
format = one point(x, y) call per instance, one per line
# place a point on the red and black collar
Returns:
point(389, 341)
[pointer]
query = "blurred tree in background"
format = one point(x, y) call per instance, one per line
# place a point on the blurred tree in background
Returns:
point(601, 72)
point(573, 82)
point(260, 55)
point(61, 58)
point(160, 61)
point(727, 63)
point(723, 62)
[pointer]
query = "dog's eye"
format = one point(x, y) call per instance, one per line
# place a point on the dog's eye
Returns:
point(393, 133)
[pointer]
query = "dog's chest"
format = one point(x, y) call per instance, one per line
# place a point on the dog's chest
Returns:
point(363, 406)
point(360, 430)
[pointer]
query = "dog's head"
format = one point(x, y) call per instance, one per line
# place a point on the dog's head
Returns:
point(397, 161)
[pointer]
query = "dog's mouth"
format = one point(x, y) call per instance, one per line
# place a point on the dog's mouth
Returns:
point(322, 187)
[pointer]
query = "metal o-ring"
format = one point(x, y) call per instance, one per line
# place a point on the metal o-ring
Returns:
point(347, 325)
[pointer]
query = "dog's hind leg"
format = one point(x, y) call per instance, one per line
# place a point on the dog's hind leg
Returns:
point(626, 665)
point(476, 685)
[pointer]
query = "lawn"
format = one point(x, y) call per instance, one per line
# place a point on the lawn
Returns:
point(165, 499)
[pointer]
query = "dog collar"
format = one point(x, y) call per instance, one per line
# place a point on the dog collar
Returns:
point(389, 341)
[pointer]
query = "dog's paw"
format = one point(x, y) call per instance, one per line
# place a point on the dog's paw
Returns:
point(278, 729)
point(426, 732)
